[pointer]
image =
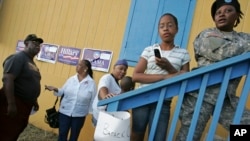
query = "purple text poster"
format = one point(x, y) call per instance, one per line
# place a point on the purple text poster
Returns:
point(100, 59)
point(68, 55)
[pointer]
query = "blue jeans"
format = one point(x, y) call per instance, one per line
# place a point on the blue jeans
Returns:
point(66, 123)
point(144, 115)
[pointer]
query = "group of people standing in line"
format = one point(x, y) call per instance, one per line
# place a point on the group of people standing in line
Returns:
point(21, 81)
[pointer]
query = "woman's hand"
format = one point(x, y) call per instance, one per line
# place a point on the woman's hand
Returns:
point(163, 63)
point(109, 95)
point(174, 74)
point(50, 88)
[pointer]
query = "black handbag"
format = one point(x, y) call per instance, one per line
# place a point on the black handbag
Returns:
point(52, 116)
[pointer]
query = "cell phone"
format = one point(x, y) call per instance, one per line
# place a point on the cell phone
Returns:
point(157, 53)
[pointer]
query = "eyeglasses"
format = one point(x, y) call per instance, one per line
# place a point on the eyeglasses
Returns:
point(168, 25)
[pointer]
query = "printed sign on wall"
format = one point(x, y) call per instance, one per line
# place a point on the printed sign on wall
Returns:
point(20, 46)
point(68, 55)
point(100, 59)
point(48, 53)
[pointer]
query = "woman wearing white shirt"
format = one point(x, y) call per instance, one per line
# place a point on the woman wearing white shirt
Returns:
point(78, 95)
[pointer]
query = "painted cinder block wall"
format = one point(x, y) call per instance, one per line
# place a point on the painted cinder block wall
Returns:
point(97, 24)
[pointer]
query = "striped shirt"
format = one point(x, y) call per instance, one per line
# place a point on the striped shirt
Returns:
point(177, 57)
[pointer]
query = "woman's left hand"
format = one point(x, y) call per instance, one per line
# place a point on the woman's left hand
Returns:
point(50, 88)
point(109, 95)
point(163, 63)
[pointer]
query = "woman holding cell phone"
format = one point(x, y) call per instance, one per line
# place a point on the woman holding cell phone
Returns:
point(158, 62)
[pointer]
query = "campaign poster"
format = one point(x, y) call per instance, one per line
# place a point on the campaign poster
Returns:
point(48, 53)
point(100, 59)
point(68, 55)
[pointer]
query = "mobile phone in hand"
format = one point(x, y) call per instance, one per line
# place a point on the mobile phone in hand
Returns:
point(157, 53)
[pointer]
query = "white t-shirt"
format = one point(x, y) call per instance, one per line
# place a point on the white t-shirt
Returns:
point(109, 82)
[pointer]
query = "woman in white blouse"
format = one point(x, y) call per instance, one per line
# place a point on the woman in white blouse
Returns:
point(78, 94)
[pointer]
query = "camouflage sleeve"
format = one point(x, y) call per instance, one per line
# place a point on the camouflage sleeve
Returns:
point(239, 44)
point(246, 41)
point(212, 45)
point(204, 46)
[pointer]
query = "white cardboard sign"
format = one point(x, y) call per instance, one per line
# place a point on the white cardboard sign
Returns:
point(113, 126)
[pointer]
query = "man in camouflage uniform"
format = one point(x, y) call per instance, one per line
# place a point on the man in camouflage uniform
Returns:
point(210, 46)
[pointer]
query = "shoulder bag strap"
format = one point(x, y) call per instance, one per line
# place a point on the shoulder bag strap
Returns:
point(56, 101)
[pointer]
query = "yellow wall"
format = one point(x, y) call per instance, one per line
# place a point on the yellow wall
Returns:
point(97, 24)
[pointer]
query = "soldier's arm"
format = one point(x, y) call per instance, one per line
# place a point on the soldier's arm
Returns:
point(205, 46)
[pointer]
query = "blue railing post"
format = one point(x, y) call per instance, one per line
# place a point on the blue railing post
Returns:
point(157, 114)
point(177, 111)
point(199, 80)
point(219, 103)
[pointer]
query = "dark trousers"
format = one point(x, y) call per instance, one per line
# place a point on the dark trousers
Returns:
point(11, 128)
point(66, 123)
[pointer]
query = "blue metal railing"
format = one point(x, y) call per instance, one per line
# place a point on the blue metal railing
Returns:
point(199, 79)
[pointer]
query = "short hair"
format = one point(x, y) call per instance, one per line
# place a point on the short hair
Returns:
point(171, 15)
point(127, 84)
